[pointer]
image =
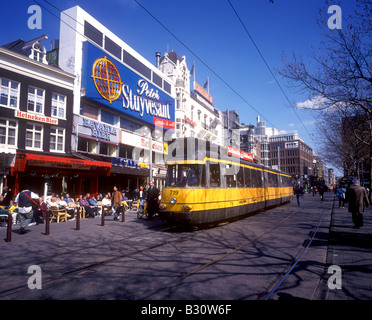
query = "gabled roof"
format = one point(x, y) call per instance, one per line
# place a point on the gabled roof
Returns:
point(172, 56)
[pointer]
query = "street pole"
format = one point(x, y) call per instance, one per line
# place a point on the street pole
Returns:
point(150, 156)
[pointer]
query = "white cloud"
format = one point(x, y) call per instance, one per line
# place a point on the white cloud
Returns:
point(314, 103)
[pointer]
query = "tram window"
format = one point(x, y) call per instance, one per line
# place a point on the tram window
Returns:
point(230, 179)
point(247, 178)
point(255, 178)
point(195, 175)
point(214, 175)
point(180, 175)
point(240, 177)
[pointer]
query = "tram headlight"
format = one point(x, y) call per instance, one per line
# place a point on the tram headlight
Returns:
point(173, 200)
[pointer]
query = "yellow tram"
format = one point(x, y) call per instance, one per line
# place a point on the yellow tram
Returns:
point(207, 185)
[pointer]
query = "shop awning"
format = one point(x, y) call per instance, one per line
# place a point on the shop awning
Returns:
point(24, 160)
point(65, 161)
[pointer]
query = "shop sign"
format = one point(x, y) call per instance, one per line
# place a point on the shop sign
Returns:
point(188, 120)
point(126, 163)
point(135, 140)
point(120, 88)
point(35, 117)
point(239, 153)
point(99, 130)
point(96, 130)
point(199, 89)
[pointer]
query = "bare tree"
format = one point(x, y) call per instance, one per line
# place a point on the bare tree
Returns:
point(339, 77)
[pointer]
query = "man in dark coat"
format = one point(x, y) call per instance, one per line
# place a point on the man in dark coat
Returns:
point(356, 197)
point(152, 200)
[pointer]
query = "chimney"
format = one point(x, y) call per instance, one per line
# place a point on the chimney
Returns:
point(157, 55)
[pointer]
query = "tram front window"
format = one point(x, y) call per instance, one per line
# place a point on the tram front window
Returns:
point(184, 175)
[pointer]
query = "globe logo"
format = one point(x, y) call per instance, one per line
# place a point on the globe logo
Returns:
point(107, 79)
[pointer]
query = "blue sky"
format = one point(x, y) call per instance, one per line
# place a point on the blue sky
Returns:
point(213, 32)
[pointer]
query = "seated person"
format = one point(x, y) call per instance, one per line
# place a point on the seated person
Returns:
point(106, 202)
point(94, 203)
point(53, 204)
point(85, 204)
point(13, 209)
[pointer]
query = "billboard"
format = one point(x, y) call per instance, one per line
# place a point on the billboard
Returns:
point(109, 82)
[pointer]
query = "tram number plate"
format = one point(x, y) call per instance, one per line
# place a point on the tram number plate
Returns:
point(174, 192)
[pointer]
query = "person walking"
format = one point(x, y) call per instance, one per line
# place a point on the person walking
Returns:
point(152, 200)
point(116, 202)
point(341, 191)
point(298, 191)
point(357, 199)
point(26, 199)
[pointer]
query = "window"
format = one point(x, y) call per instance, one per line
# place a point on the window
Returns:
point(93, 33)
point(8, 132)
point(214, 175)
point(58, 106)
point(108, 118)
point(35, 100)
point(9, 93)
point(57, 139)
point(107, 149)
point(88, 111)
point(186, 175)
point(34, 135)
point(38, 52)
point(129, 125)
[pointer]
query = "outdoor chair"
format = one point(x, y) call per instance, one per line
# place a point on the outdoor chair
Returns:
point(58, 215)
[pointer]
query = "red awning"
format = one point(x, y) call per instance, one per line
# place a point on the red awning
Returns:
point(69, 161)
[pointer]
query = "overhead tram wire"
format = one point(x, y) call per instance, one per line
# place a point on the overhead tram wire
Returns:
point(204, 63)
point(268, 67)
point(171, 33)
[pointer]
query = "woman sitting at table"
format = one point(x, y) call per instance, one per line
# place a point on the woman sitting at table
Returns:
point(85, 204)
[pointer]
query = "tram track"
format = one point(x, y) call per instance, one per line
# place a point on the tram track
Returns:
point(202, 267)
point(278, 281)
point(88, 268)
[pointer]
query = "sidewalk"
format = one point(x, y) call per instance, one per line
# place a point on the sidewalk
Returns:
point(351, 250)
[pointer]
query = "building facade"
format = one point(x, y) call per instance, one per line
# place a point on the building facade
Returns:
point(289, 153)
point(195, 114)
point(123, 104)
point(36, 107)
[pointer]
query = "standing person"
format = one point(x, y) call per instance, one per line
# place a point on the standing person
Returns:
point(7, 193)
point(116, 202)
point(26, 199)
point(298, 191)
point(356, 197)
point(341, 191)
point(322, 188)
point(152, 200)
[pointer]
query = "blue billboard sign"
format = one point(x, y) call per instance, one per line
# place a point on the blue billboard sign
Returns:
point(111, 83)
